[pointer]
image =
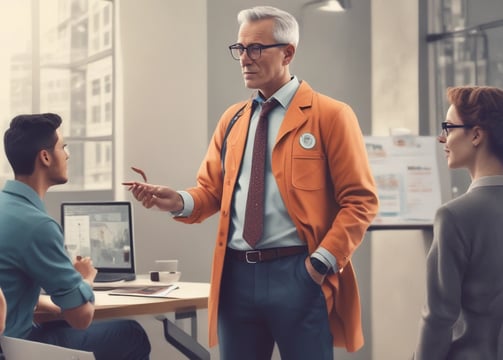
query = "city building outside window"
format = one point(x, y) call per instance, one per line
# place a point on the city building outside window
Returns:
point(57, 56)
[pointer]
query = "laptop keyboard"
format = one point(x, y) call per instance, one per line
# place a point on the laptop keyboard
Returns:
point(111, 277)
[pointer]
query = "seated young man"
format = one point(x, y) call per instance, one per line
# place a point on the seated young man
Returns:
point(33, 257)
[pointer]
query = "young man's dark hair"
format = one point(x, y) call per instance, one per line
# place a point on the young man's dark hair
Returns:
point(26, 136)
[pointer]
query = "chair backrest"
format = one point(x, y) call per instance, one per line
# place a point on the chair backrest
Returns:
point(19, 349)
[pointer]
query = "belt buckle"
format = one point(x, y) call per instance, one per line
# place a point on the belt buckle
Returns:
point(253, 252)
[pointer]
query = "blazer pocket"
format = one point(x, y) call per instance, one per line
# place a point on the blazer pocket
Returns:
point(309, 172)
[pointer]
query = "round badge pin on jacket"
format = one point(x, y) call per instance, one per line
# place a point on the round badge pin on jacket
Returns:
point(307, 141)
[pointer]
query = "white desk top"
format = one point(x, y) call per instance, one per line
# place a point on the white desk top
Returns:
point(186, 290)
point(188, 296)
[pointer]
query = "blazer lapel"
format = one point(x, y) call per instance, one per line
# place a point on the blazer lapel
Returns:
point(295, 116)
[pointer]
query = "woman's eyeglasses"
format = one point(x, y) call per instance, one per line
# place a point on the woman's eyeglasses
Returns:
point(446, 126)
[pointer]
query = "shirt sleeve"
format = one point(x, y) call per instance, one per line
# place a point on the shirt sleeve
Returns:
point(48, 264)
point(188, 205)
point(326, 257)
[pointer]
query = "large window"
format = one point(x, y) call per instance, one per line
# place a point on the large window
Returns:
point(465, 38)
point(57, 56)
point(464, 44)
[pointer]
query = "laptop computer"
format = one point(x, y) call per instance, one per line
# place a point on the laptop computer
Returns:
point(104, 232)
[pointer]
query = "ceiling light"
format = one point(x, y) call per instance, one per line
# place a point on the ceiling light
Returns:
point(329, 5)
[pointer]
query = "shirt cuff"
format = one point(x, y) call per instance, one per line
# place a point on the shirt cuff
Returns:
point(188, 205)
point(326, 258)
point(74, 298)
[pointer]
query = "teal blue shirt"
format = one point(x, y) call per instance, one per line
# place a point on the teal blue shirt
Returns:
point(33, 257)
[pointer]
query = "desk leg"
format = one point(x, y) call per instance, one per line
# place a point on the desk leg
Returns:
point(185, 343)
point(192, 315)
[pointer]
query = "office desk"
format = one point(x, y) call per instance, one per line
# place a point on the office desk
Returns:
point(184, 303)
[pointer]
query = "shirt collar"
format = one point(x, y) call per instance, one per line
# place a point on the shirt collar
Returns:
point(20, 189)
point(285, 94)
point(496, 180)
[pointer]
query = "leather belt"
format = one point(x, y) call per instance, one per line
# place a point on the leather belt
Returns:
point(261, 255)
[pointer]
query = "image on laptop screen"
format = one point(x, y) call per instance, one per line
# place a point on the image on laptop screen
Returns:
point(104, 232)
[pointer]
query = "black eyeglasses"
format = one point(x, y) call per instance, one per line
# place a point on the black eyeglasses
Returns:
point(446, 126)
point(253, 50)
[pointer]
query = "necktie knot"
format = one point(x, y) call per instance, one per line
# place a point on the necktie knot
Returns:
point(268, 106)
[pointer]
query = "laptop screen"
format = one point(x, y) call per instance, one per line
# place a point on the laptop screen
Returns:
point(102, 231)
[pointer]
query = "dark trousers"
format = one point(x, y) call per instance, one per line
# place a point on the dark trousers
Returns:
point(272, 302)
point(115, 339)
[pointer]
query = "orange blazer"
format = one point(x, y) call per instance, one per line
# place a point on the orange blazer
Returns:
point(328, 190)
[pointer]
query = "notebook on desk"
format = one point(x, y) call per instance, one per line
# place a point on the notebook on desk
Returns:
point(104, 232)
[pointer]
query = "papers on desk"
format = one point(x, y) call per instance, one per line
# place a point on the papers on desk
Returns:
point(140, 282)
point(146, 291)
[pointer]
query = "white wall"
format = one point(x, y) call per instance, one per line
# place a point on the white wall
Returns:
point(162, 100)
point(395, 79)
point(398, 266)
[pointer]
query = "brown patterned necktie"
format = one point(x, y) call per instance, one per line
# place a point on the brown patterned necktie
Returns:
point(254, 215)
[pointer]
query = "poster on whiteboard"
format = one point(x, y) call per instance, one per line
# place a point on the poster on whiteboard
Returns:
point(406, 173)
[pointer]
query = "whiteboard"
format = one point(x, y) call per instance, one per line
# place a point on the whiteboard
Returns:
point(406, 171)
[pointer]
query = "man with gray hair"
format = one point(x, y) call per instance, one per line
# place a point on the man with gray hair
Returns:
point(288, 173)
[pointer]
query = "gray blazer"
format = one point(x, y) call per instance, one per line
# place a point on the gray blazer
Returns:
point(463, 315)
